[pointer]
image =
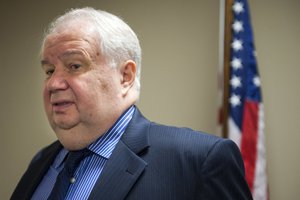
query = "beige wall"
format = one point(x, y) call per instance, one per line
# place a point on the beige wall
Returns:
point(179, 76)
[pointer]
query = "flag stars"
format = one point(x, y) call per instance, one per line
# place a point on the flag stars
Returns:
point(237, 26)
point(236, 63)
point(237, 45)
point(235, 100)
point(256, 81)
point(238, 7)
point(235, 82)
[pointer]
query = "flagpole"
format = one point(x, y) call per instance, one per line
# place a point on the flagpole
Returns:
point(221, 66)
point(226, 64)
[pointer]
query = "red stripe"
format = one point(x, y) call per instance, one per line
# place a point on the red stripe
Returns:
point(249, 140)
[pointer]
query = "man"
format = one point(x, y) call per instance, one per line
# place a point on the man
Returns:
point(92, 60)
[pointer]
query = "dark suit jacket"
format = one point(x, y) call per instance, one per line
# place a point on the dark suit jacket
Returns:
point(157, 162)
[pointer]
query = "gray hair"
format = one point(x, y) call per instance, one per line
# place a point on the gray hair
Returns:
point(117, 40)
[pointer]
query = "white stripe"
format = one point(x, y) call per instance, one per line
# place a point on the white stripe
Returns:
point(234, 133)
point(260, 179)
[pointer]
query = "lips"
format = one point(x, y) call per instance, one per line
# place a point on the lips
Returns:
point(61, 105)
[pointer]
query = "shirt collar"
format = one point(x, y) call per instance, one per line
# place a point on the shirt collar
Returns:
point(105, 144)
point(60, 158)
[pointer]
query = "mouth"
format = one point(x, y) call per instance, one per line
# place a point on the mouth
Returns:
point(61, 103)
point(61, 106)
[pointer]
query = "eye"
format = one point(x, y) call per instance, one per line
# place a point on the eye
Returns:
point(75, 66)
point(49, 72)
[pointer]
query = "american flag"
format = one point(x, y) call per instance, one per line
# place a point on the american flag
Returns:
point(245, 119)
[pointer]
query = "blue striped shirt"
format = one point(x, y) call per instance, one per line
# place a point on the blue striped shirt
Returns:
point(90, 168)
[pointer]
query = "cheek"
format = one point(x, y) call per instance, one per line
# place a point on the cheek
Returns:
point(46, 97)
point(89, 95)
point(91, 89)
point(83, 91)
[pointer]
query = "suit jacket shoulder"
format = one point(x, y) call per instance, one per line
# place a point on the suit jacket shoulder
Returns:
point(186, 164)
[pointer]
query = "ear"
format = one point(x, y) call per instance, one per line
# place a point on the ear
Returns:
point(128, 72)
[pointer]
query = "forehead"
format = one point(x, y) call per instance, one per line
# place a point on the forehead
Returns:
point(67, 38)
point(58, 43)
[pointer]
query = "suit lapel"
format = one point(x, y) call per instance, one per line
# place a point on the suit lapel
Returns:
point(124, 166)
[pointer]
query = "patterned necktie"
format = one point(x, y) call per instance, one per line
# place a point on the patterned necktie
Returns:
point(66, 176)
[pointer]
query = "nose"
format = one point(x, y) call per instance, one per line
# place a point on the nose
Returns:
point(57, 82)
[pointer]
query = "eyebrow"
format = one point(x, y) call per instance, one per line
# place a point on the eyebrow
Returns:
point(65, 54)
point(44, 62)
point(70, 53)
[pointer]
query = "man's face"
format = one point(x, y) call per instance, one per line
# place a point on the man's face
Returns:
point(80, 91)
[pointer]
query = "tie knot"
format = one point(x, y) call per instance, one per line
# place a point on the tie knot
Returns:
point(74, 158)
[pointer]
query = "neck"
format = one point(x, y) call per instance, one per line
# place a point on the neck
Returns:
point(84, 134)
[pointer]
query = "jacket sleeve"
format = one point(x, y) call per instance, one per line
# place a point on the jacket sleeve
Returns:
point(222, 173)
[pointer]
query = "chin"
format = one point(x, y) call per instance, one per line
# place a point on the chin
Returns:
point(64, 124)
point(72, 138)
